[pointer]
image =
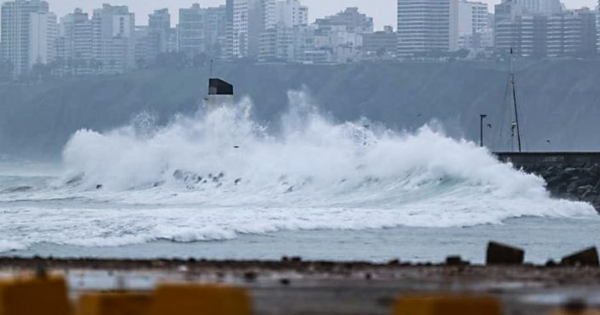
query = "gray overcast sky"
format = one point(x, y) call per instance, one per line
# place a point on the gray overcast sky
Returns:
point(383, 11)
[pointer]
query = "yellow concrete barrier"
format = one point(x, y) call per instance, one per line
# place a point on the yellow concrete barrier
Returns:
point(33, 296)
point(447, 305)
point(199, 300)
point(116, 303)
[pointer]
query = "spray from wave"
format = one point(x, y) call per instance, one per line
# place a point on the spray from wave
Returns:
point(225, 158)
point(220, 174)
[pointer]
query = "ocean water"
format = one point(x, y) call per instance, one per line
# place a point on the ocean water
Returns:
point(221, 185)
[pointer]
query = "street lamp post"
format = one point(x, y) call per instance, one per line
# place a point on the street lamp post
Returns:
point(482, 117)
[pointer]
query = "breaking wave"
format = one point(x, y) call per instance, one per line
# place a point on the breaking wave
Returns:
point(219, 174)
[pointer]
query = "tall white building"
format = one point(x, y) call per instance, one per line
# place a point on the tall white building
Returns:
point(291, 13)
point(426, 26)
point(113, 35)
point(474, 24)
point(28, 31)
point(43, 30)
point(75, 37)
point(473, 17)
point(250, 18)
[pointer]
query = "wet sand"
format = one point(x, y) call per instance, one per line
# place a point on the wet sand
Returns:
point(292, 286)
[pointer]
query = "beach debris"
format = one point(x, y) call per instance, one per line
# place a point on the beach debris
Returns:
point(456, 261)
point(585, 258)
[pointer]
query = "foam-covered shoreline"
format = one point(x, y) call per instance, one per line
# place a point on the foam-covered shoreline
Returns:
point(218, 175)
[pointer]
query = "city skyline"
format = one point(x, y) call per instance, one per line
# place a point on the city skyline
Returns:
point(106, 40)
point(383, 11)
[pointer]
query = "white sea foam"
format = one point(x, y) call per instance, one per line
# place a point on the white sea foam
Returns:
point(219, 175)
point(7, 246)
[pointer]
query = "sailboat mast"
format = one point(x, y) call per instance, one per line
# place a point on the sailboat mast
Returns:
point(514, 95)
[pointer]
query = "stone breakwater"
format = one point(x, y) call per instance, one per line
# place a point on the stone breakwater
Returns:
point(572, 175)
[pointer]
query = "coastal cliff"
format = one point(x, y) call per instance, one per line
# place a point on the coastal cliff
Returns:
point(559, 101)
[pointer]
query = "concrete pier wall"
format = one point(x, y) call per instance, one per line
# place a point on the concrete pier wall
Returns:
point(558, 159)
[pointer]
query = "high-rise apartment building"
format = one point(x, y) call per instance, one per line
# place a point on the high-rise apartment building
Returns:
point(216, 32)
point(526, 36)
point(278, 44)
point(473, 17)
point(144, 54)
point(426, 26)
point(203, 31)
point(540, 7)
point(43, 30)
point(507, 10)
point(505, 26)
point(290, 37)
point(28, 34)
point(473, 24)
point(113, 36)
point(250, 18)
point(568, 34)
point(291, 13)
point(191, 30)
point(572, 34)
point(159, 31)
point(74, 41)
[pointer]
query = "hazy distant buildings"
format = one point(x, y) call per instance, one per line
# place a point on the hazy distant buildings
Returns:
point(381, 44)
point(159, 32)
point(506, 11)
point(110, 42)
point(283, 44)
point(474, 28)
point(290, 39)
point(333, 39)
point(473, 17)
point(113, 36)
point(43, 29)
point(427, 26)
point(540, 7)
point(506, 28)
point(572, 34)
point(28, 34)
point(291, 13)
point(525, 36)
point(566, 34)
point(142, 42)
point(340, 36)
point(216, 31)
point(191, 30)
point(250, 18)
point(74, 43)
point(202, 31)
point(351, 19)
